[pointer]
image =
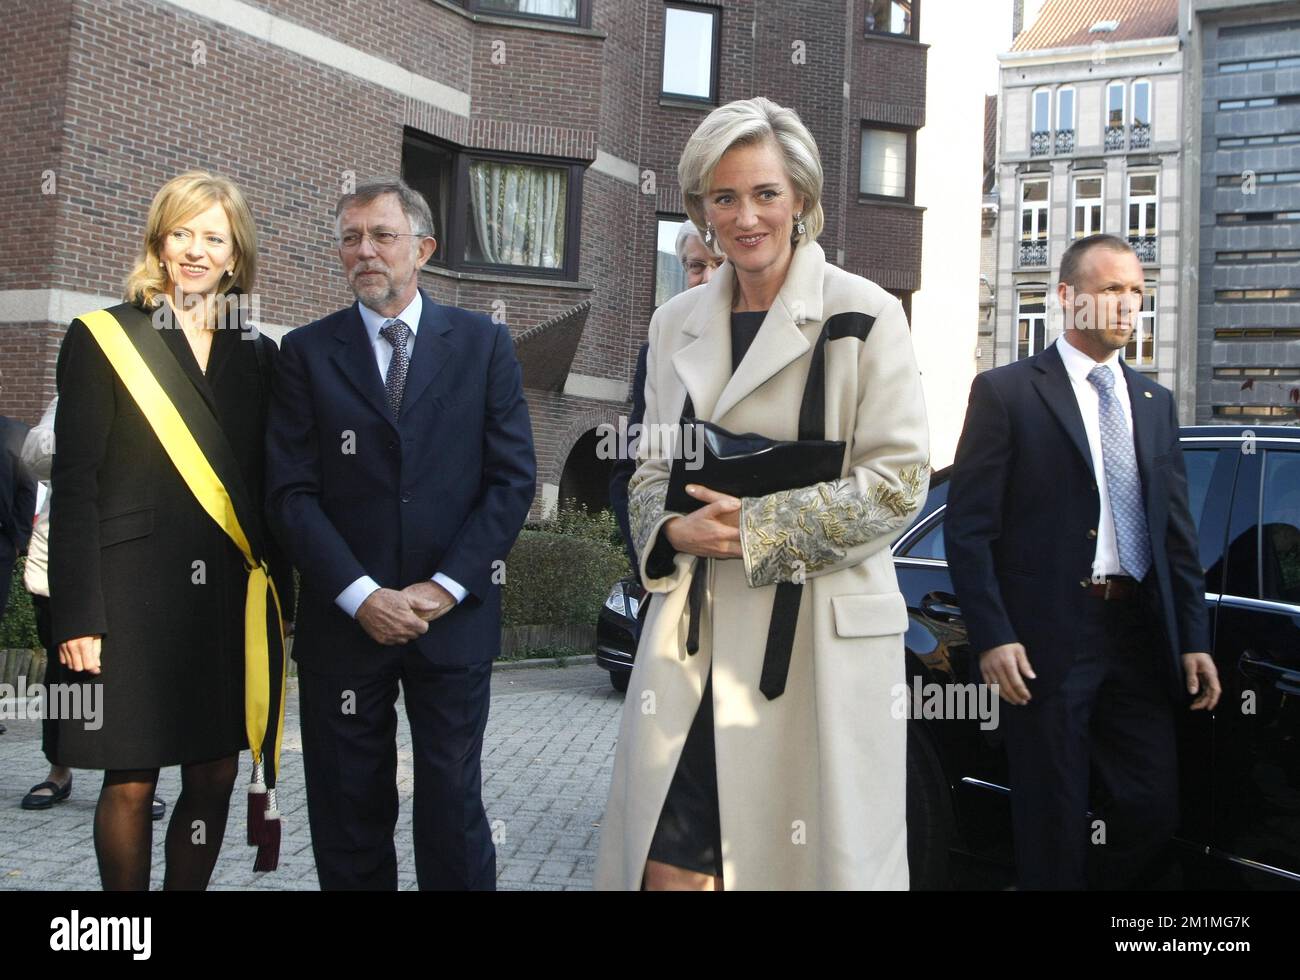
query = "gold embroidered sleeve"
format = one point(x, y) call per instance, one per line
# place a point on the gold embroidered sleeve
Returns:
point(793, 533)
point(645, 506)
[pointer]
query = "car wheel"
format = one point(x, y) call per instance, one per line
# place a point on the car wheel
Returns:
point(618, 679)
point(929, 814)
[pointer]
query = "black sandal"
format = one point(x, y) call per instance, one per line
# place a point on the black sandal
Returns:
point(35, 800)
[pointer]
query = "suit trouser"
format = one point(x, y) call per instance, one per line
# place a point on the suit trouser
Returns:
point(1108, 728)
point(349, 741)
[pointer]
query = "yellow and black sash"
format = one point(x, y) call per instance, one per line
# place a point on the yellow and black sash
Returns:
point(193, 439)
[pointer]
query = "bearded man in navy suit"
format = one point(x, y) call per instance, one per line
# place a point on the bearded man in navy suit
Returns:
point(400, 469)
point(1075, 559)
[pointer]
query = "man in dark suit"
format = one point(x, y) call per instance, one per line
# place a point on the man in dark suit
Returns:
point(699, 263)
point(17, 503)
point(1075, 559)
point(400, 470)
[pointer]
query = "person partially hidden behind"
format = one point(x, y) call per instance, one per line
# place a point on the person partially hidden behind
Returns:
point(1074, 556)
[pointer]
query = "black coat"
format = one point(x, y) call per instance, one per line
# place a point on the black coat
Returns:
point(1021, 525)
point(135, 558)
point(621, 472)
point(17, 492)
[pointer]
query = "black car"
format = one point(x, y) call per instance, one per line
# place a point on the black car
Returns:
point(1239, 766)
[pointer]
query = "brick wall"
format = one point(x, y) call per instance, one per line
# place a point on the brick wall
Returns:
point(115, 117)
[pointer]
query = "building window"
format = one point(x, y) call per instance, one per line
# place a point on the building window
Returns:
point(1087, 206)
point(1142, 216)
point(690, 53)
point(498, 213)
point(1040, 134)
point(567, 11)
point(670, 277)
point(885, 166)
point(1141, 348)
point(1031, 321)
point(1033, 222)
point(1064, 142)
point(897, 17)
point(1140, 133)
point(1114, 116)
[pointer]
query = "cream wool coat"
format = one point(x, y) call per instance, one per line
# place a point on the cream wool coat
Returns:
point(811, 785)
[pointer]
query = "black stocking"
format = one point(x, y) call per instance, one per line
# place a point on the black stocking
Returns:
point(198, 823)
point(124, 829)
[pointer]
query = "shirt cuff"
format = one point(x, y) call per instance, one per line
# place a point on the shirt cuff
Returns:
point(350, 599)
point(458, 591)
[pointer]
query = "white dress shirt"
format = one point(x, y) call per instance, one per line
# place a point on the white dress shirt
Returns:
point(1077, 366)
point(351, 598)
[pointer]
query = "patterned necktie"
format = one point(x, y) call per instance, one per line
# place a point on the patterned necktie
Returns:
point(396, 333)
point(1122, 484)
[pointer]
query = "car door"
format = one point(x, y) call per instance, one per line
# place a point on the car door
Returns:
point(1256, 815)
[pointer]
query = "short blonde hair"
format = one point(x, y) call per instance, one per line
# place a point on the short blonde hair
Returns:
point(744, 122)
point(178, 200)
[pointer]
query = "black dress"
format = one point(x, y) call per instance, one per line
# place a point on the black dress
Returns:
point(689, 832)
point(134, 557)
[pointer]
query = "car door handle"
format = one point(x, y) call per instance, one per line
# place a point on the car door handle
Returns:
point(941, 606)
point(1264, 669)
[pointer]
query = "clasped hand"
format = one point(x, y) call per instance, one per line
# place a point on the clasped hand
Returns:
point(391, 617)
point(712, 531)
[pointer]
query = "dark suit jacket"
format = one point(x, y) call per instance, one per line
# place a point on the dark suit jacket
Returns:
point(1020, 529)
point(624, 467)
point(17, 492)
point(445, 487)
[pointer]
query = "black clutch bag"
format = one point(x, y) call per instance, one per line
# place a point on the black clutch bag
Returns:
point(746, 464)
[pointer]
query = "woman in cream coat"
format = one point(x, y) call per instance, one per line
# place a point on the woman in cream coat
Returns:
point(810, 784)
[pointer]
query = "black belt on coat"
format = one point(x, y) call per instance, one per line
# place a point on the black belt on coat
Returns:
point(789, 595)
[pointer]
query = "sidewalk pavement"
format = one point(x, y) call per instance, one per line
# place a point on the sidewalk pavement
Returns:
point(547, 759)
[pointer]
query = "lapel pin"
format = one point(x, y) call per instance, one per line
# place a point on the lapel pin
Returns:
point(1147, 393)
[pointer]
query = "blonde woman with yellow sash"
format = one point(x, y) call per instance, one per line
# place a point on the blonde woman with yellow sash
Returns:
point(160, 565)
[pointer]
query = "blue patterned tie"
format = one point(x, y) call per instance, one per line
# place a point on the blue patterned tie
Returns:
point(1122, 483)
point(396, 333)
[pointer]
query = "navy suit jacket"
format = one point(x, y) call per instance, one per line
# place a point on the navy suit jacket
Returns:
point(444, 487)
point(621, 472)
point(1021, 525)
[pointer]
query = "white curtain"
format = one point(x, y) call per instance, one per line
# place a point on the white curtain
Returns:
point(549, 8)
point(518, 213)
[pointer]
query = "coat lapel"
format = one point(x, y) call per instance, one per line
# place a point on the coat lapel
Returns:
point(1054, 387)
point(704, 366)
point(430, 354)
point(355, 358)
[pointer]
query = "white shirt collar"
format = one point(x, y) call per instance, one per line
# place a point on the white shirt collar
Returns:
point(1078, 364)
point(375, 321)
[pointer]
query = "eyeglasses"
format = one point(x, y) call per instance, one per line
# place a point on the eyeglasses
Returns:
point(379, 239)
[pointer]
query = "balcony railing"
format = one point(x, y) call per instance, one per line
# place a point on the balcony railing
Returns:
point(1145, 246)
point(1140, 136)
point(1114, 138)
point(1033, 253)
point(1065, 141)
point(1040, 143)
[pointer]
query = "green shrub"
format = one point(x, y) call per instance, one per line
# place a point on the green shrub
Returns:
point(560, 570)
point(18, 628)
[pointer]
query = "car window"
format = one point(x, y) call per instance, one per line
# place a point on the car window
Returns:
point(1279, 528)
point(1200, 467)
point(929, 544)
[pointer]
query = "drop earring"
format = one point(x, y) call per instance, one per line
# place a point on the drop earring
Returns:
point(799, 225)
point(708, 234)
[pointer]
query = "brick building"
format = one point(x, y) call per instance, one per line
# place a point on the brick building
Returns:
point(571, 112)
point(1090, 140)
